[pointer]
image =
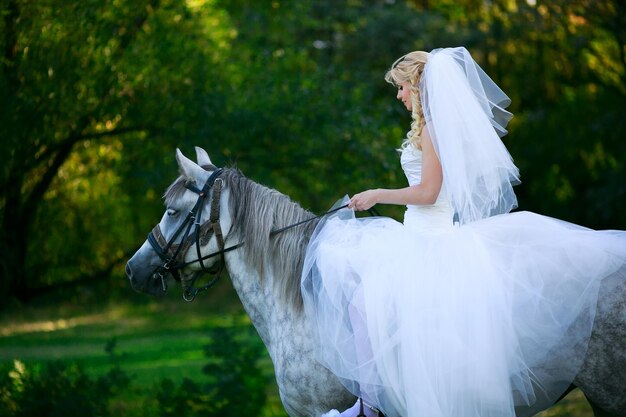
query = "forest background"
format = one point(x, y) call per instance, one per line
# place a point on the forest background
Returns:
point(97, 94)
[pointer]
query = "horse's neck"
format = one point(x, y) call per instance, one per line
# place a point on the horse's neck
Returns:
point(301, 379)
point(272, 317)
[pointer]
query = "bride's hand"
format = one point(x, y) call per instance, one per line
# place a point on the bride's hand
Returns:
point(364, 201)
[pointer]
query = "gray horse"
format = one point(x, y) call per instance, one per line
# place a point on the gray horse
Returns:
point(266, 270)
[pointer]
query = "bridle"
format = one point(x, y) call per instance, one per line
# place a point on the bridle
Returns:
point(172, 254)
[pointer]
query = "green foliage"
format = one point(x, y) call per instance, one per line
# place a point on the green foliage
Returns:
point(237, 386)
point(97, 94)
point(154, 343)
point(57, 389)
point(160, 348)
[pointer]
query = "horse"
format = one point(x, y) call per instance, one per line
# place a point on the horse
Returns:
point(265, 268)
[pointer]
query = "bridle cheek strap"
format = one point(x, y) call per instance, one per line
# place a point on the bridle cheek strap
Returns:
point(214, 217)
point(203, 234)
point(173, 254)
point(212, 226)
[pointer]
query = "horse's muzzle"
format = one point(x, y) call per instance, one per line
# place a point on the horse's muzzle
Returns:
point(142, 281)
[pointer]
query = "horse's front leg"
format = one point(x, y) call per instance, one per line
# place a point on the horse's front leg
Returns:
point(307, 389)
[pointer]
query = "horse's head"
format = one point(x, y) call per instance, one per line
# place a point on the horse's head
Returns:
point(189, 239)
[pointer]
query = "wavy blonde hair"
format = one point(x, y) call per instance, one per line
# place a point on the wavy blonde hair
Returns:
point(409, 68)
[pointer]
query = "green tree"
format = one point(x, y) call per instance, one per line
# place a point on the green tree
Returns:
point(83, 83)
point(98, 94)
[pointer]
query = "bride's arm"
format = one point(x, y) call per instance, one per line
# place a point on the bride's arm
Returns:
point(424, 193)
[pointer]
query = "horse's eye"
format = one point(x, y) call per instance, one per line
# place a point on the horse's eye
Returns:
point(172, 212)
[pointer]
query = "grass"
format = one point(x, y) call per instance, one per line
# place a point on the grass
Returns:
point(149, 339)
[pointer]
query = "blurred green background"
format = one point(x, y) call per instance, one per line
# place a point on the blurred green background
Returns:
point(97, 94)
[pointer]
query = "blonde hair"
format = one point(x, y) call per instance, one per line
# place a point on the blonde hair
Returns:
point(409, 68)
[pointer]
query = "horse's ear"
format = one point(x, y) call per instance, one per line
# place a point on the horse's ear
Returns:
point(202, 157)
point(188, 168)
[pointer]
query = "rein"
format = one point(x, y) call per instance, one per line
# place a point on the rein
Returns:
point(372, 211)
point(172, 254)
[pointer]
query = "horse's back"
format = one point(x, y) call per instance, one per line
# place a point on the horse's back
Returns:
point(603, 375)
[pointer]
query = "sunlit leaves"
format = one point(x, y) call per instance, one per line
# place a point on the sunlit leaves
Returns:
point(292, 92)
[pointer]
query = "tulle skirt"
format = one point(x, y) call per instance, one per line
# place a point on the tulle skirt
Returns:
point(456, 321)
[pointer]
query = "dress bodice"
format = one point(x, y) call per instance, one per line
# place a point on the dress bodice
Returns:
point(424, 217)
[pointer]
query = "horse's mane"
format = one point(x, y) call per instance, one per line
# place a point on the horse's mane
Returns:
point(257, 210)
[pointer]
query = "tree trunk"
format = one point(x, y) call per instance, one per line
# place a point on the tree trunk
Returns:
point(13, 244)
point(19, 204)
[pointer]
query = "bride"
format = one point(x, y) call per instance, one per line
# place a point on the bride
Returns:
point(464, 309)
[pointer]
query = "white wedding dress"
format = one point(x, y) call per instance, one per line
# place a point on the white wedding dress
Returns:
point(429, 318)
